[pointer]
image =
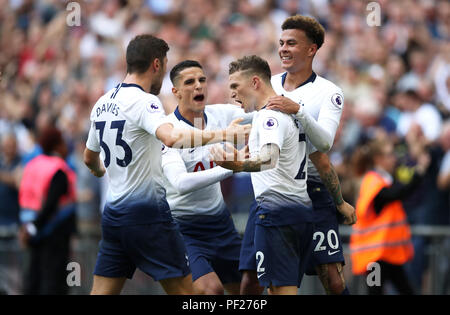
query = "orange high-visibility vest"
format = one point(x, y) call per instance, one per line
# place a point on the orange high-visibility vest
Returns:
point(36, 180)
point(385, 236)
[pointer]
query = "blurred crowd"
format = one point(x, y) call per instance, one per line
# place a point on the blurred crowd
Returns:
point(395, 78)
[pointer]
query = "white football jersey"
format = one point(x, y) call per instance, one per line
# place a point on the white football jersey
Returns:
point(207, 200)
point(123, 126)
point(321, 98)
point(286, 183)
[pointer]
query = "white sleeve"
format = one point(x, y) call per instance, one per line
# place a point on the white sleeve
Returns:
point(238, 112)
point(322, 132)
point(230, 112)
point(272, 128)
point(310, 148)
point(152, 115)
point(92, 141)
point(185, 182)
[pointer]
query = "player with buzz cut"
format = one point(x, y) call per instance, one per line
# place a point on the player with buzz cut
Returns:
point(192, 184)
point(317, 103)
point(278, 237)
point(127, 126)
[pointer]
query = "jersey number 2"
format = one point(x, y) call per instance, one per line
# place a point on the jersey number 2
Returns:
point(301, 173)
point(119, 125)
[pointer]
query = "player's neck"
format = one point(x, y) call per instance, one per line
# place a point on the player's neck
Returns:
point(295, 79)
point(142, 81)
point(265, 96)
point(197, 119)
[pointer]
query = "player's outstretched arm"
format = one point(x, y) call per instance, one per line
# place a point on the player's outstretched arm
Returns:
point(184, 138)
point(331, 181)
point(238, 161)
point(185, 182)
point(320, 134)
point(92, 161)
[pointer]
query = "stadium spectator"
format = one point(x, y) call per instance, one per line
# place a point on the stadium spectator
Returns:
point(9, 169)
point(9, 207)
point(444, 171)
point(423, 114)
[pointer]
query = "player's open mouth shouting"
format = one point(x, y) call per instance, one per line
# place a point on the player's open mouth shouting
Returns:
point(199, 98)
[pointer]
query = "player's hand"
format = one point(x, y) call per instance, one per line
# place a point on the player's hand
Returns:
point(99, 172)
point(283, 104)
point(226, 158)
point(244, 153)
point(236, 133)
point(349, 213)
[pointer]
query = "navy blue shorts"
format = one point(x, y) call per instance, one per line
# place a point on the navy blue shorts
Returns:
point(327, 245)
point(157, 249)
point(247, 256)
point(213, 245)
point(282, 253)
point(279, 254)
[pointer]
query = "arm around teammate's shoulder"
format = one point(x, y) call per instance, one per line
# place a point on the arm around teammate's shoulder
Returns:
point(189, 138)
point(316, 132)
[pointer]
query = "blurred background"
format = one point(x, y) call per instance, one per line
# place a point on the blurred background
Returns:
point(395, 78)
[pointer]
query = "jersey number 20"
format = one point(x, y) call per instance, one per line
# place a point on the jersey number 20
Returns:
point(119, 125)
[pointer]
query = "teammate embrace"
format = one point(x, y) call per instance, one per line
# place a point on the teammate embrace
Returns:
point(140, 228)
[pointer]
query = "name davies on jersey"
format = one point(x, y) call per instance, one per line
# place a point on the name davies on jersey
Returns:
point(108, 108)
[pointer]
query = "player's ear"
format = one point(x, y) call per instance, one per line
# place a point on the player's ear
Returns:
point(175, 92)
point(312, 50)
point(156, 64)
point(255, 82)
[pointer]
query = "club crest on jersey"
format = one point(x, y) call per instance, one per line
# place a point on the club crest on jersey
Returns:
point(270, 123)
point(152, 107)
point(337, 100)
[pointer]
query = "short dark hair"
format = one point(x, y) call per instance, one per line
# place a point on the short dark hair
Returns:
point(49, 139)
point(181, 66)
point(142, 50)
point(313, 29)
point(254, 65)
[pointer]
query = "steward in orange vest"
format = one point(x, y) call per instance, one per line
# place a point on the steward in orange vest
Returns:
point(46, 194)
point(382, 234)
point(385, 236)
point(47, 199)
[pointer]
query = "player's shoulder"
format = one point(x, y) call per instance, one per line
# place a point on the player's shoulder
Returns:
point(269, 112)
point(172, 118)
point(105, 97)
point(100, 102)
point(277, 79)
point(270, 119)
point(278, 76)
point(141, 101)
point(148, 98)
point(218, 108)
point(331, 92)
point(328, 86)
